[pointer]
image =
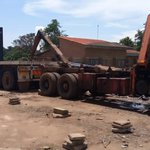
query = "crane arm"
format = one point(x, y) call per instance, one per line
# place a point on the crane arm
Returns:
point(144, 55)
point(59, 55)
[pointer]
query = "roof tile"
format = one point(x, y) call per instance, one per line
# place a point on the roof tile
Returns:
point(84, 41)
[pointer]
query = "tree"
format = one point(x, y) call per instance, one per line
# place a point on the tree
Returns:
point(54, 30)
point(23, 45)
point(25, 42)
point(127, 42)
point(138, 39)
point(21, 49)
point(15, 53)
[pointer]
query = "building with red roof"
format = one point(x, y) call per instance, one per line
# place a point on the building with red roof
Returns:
point(92, 51)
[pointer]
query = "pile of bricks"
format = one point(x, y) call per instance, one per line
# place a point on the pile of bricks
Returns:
point(122, 126)
point(60, 113)
point(14, 101)
point(75, 141)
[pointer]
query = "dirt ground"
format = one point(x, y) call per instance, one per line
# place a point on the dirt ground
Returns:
point(30, 125)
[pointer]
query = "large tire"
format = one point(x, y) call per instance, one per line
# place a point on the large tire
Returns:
point(68, 86)
point(57, 76)
point(141, 87)
point(1, 74)
point(76, 76)
point(8, 80)
point(48, 84)
point(23, 86)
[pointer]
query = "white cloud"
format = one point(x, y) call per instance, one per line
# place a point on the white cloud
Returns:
point(38, 28)
point(123, 15)
point(131, 34)
point(32, 8)
point(117, 25)
point(106, 9)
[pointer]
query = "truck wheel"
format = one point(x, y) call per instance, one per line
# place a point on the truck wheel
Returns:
point(8, 80)
point(1, 78)
point(23, 86)
point(57, 76)
point(141, 87)
point(76, 76)
point(79, 91)
point(48, 84)
point(68, 86)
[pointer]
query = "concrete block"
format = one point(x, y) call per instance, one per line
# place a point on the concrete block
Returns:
point(117, 130)
point(122, 126)
point(74, 143)
point(14, 101)
point(61, 111)
point(76, 147)
point(122, 122)
point(76, 137)
point(60, 116)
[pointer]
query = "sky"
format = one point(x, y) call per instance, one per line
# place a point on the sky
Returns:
point(109, 20)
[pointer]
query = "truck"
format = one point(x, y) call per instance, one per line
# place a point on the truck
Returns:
point(17, 74)
point(70, 80)
point(140, 75)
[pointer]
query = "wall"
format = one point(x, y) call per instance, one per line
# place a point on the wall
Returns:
point(106, 56)
point(73, 51)
point(94, 55)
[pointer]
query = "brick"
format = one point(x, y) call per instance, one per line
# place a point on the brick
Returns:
point(76, 136)
point(117, 130)
point(80, 147)
point(67, 146)
point(61, 111)
point(60, 116)
point(121, 126)
point(76, 147)
point(122, 122)
point(74, 143)
point(14, 101)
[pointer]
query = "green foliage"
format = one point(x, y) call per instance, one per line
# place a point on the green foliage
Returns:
point(54, 31)
point(21, 49)
point(15, 53)
point(138, 39)
point(25, 42)
point(127, 42)
point(137, 43)
point(23, 45)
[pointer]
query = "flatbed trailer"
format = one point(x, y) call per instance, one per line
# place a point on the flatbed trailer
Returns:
point(18, 74)
point(21, 74)
point(71, 82)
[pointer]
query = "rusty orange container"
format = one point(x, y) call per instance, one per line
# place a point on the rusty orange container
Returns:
point(119, 86)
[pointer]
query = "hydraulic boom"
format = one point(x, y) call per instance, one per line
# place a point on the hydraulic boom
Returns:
point(59, 55)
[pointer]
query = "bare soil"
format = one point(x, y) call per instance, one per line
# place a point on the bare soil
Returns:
point(30, 125)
